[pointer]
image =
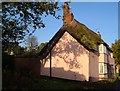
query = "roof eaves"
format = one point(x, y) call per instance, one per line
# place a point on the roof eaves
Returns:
point(45, 51)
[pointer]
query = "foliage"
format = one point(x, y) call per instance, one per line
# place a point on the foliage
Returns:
point(41, 46)
point(89, 43)
point(7, 61)
point(21, 19)
point(31, 43)
point(16, 49)
point(116, 51)
point(28, 54)
point(112, 80)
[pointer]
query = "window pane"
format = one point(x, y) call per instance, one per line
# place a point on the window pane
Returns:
point(101, 68)
point(100, 49)
point(105, 68)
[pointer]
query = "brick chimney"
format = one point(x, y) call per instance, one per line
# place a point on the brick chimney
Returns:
point(99, 34)
point(67, 15)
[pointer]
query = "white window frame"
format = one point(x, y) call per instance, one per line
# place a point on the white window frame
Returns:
point(102, 68)
point(101, 48)
point(111, 55)
point(105, 68)
point(105, 49)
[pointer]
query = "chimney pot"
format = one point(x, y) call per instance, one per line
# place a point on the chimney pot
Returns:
point(99, 34)
point(67, 15)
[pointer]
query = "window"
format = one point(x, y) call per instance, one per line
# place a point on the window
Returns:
point(100, 48)
point(112, 69)
point(102, 68)
point(111, 55)
point(105, 68)
point(105, 50)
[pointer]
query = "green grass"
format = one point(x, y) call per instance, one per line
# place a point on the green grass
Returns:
point(15, 80)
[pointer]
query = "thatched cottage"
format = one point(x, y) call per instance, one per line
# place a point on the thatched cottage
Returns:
point(76, 53)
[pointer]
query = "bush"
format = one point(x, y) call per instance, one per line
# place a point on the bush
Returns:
point(28, 55)
point(7, 61)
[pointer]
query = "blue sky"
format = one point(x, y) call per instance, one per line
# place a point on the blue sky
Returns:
point(97, 16)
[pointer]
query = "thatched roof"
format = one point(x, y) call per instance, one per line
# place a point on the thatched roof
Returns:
point(89, 39)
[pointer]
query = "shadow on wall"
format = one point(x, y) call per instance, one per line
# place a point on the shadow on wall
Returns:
point(69, 51)
point(61, 73)
point(43, 61)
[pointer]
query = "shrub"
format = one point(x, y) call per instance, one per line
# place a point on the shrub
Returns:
point(7, 61)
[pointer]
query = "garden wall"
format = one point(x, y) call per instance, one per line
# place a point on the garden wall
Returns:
point(28, 65)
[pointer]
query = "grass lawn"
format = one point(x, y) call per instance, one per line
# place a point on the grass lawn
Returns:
point(15, 80)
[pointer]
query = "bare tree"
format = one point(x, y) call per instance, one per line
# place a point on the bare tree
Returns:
point(32, 43)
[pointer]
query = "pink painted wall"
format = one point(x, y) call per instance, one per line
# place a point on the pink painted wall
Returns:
point(102, 58)
point(45, 66)
point(70, 60)
point(111, 60)
point(94, 66)
point(106, 58)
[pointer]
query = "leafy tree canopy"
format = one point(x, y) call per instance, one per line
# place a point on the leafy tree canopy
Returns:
point(21, 19)
point(116, 51)
point(15, 49)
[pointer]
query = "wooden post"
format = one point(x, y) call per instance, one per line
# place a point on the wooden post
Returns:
point(50, 66)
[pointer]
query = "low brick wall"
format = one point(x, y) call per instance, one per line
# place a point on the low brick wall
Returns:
point(29, 65)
